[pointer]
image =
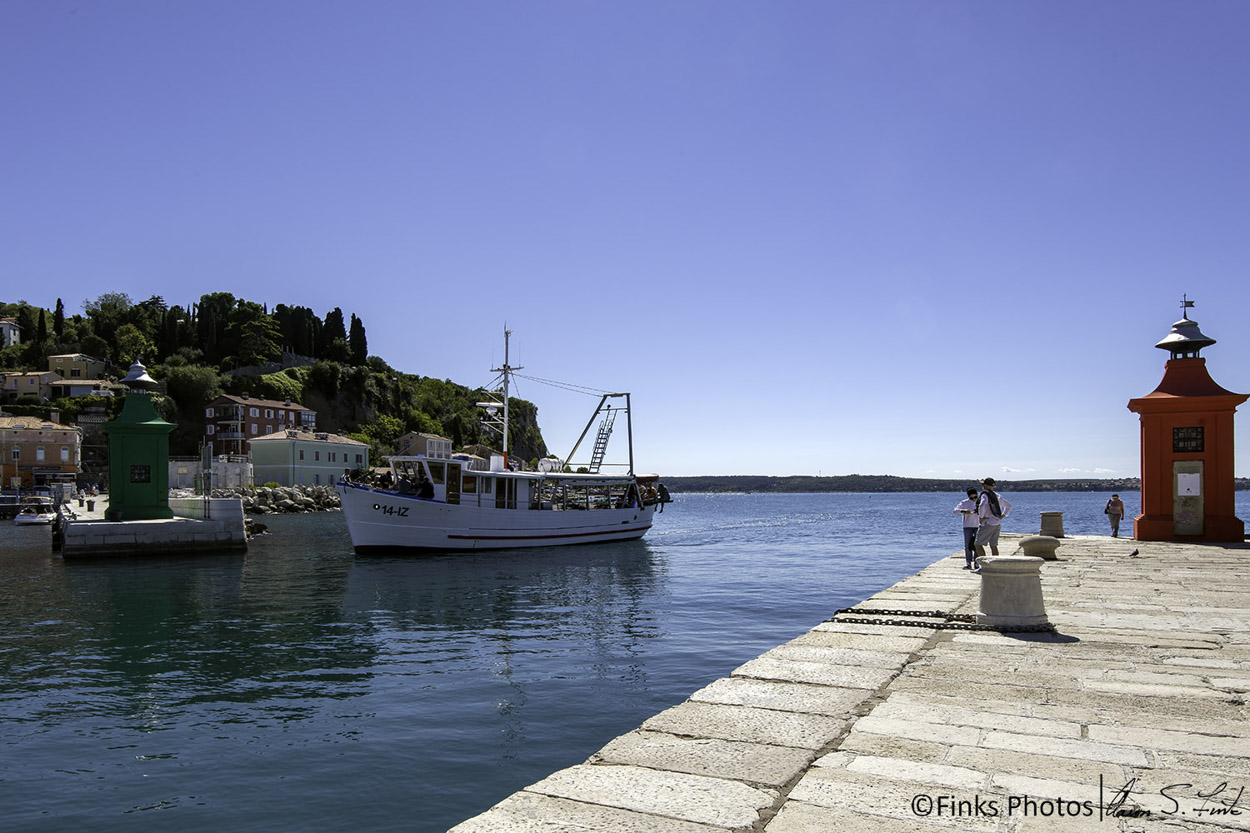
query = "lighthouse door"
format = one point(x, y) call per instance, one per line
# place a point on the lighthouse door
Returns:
point(1187, 500)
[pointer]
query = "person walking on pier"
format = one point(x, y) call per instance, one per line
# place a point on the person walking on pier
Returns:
point(968, 508)
point(1115, 511)
point(991, 509)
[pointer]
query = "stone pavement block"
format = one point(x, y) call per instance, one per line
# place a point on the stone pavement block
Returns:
point(1066, 748)
point(817, 673)
point(808, 818)
point(866, 743)
point(1152, 689)
point(1035, 765)
point(675, 795)
point(526, 812)
point(838, 656)
point(770, 694)
point(861, 641)
point(905, 801)
point(1231, 766)
point(765, 765)
point(1020, 785)
point(1143, 676)
point(918, 730)
point(971, 715)
point(878, 630)
point(750, 725)
point(1156, 738)
point(956, 777)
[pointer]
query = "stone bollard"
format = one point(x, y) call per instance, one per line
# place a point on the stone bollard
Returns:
point(1041, 546)
point(1052, 524)
point(1011, 592)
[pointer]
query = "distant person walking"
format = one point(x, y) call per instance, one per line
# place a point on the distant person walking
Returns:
point(968, 508)
point(1115, 511)
point(991, 509)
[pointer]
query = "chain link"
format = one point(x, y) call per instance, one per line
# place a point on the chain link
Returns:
point(950, 621)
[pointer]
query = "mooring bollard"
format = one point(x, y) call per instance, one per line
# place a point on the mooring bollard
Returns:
point(1011, 591)
point(1052, 524)
point(1041, 546)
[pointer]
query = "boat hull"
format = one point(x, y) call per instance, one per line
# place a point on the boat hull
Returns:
point(384, 520)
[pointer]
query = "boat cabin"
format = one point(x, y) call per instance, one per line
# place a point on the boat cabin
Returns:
point(453, 482)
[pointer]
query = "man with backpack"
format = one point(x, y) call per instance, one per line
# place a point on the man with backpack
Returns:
point(992, 508)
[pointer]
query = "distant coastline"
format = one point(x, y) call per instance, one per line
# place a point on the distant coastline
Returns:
point(891, 483)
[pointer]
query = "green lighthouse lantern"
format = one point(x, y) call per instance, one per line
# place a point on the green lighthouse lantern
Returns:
point(138, 454)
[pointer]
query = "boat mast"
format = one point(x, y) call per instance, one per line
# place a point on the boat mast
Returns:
point(507, 371)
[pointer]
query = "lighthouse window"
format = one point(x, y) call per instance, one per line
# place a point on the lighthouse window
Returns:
point(1187, 440)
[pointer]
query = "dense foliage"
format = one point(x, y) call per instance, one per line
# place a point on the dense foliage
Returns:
point(222, 344)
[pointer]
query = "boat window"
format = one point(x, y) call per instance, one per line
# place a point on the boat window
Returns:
point(487, 485)
point(470, 484)
point(438, 472)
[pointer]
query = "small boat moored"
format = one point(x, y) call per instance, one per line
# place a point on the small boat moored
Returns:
point(35, 510)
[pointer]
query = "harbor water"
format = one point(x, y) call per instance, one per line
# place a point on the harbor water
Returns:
point(300, 687)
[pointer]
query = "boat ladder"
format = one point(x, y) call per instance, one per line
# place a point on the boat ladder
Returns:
point(601, 441)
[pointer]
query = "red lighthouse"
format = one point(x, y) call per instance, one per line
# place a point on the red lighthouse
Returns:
point(1187, 491)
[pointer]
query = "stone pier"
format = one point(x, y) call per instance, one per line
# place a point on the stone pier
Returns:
point(1130, 716)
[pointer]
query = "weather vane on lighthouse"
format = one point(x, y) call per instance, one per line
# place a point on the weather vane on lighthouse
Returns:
point(1186, 304)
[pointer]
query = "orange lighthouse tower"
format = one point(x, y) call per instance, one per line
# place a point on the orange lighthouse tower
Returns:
point(1187, 447)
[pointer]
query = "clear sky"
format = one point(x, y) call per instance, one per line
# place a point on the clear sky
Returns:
point(925, 239)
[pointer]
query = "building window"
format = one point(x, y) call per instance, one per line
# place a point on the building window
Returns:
point(17, 454)
point(358, 460)
point(254, 428)
point(208, 412)
point(269, 413)
point(64, 454)
point(75, 373)
point(39, 454)
point(253, 412)
point(210, 429)
point(333, 457)
point(317, 479)
point(301, 454)
point(317, 458)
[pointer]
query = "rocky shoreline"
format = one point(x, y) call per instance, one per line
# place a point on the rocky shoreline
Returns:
point(283, 500)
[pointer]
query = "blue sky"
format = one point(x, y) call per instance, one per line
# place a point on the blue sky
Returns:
point(927, 239)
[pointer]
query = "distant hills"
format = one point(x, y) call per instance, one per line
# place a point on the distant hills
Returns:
point(890, 483)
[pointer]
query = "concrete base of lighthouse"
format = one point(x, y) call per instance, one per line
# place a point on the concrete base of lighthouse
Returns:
point(1216, 528)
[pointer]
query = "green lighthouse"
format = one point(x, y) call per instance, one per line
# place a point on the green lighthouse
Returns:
point(138, 454)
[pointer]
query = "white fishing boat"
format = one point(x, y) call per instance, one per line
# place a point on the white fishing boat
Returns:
point(35, 510)
point(457, 503)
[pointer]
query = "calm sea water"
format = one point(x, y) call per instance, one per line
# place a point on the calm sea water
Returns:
point(301, 688)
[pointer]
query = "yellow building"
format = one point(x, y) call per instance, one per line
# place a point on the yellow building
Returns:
point(77, 366)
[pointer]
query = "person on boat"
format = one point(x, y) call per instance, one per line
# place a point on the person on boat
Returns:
point(968, 508)
point(405, 486)
point(662, 490)
point(991, 509)
point(425, 489)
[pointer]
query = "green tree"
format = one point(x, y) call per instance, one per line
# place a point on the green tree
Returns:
point(357, 341)
point(260, 341)
point(58, 319)
point(132, 344)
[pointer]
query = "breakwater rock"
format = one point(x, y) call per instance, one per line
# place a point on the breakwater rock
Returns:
point(266, 500)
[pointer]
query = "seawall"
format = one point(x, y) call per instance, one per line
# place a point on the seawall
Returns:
point(899, 727)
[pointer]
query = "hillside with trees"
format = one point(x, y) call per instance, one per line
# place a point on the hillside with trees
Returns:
point(223, 344)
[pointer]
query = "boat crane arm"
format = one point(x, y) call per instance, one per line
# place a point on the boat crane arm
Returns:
point(629, 423)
